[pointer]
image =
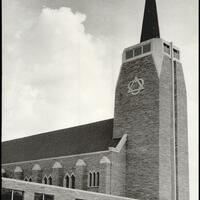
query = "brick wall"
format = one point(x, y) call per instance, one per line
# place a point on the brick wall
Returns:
point(182, 136)
point(68, 163)
point(154, 168)
point(58, 192)
point(118, 172)
point(138, 116)
point(165, 130)
point(173, 162)
point(112, 180)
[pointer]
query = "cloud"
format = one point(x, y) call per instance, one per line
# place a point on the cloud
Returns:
point(55, 75)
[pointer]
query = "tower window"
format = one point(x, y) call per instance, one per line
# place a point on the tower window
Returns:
point(176, 54)
point(129, 54)
point(147, 48)
point(137, 51)
point(166, 48)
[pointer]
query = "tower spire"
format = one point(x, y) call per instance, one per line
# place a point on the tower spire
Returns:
point(150, 27)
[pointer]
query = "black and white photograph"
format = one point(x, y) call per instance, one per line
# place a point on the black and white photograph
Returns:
point(99, 100)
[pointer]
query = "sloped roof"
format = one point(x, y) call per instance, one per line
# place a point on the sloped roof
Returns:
point(76, 140)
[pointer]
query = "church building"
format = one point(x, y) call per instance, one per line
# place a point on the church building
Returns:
point(141, 153)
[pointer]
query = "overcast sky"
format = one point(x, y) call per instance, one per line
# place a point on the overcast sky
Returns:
point(61, 60)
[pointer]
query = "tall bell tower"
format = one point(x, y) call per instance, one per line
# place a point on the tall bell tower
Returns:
point(151, 108)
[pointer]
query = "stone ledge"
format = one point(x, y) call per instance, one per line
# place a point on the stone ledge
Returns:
point(59, 193)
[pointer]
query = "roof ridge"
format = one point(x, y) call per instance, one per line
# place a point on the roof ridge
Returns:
point(91, 137)
point(56, 130)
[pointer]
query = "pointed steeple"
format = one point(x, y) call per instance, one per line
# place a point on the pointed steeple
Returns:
point(150, 27)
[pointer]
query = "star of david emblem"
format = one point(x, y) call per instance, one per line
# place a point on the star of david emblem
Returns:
point(135, 86)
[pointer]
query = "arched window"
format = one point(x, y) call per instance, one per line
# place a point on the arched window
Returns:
point(66, 181)
point(50, 180)
point(97, 179)
point(90, 179)
point(45, 180)
point(94, 179)
point(73, 181)
point(30, 179)
point(26, 179)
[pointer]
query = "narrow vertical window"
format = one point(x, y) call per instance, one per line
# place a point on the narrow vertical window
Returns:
point(67, 181)
point(97, 178)
point(50, 180)
point(73, 181)
point(94, 179)
point(45, 180)
point(30, 179)
point(90, 179)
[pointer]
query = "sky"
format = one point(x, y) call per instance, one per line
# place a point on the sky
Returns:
point(61, 60)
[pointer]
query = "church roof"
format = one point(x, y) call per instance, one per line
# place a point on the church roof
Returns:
point(76, 140)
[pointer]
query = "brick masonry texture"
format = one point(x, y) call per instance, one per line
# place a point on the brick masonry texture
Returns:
point(118, 173)
point(58, 192)
point(69, 166)
point(147, 119)
point(165, 130)
point(113, 183)
point(166, 158)
point(182, 136)
point(138, 116)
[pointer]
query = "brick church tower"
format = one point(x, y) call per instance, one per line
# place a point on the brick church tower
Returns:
point(151, 108)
